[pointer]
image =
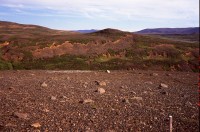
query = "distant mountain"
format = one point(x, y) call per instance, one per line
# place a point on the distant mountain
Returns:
point(86, 31)
point(191, 30)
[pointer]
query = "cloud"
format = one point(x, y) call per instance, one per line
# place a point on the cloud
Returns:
point(110, 10)
point(114, 8)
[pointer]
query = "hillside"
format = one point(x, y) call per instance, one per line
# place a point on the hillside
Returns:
point(43, 48)
point(193, 30)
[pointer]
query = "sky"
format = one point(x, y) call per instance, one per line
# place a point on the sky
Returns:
point(126, 15)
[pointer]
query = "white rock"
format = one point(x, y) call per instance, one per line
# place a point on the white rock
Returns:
point(163, 85)
point(88, 101)
point(53, 98)
point(108, 71)
point(101, 90)
point(44, 84)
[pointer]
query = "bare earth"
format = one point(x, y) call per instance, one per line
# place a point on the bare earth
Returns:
point(68, 101)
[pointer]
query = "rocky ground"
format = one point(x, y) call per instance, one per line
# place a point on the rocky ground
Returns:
point(52, 101)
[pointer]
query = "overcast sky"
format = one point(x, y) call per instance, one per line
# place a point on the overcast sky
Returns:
point(129, 15)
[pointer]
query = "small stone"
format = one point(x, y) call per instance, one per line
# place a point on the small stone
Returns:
point(163, 92)
point(108, 71)
point(46, 110)
point(137, 98)
point(125, 101)
point(87, 101)
point(154, 74)
point(64, 97)
point(124, 86)
point(101, 90)
point(10, 125)
point(53, 98)
point(132, 92)
point(168, 74)
point(36, 125)
point(188, 104)
point(10, 88)
point(149, 82)
point(163, 85)
point(44, 84)
point(21, 115)
point(102, 83)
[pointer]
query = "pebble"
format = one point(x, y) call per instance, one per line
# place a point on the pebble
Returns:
point(137, 98)
point(53, 98)
point(154, 74)
point(44, 84)
point(125, 101)
point(164, 92)
point(149, 82)
point(87, 101)
point(163, 85)
point(101, 90)
point(21, 115)
point(102, 83)
point(46, 110)
point(108, 71)
point(36, 125)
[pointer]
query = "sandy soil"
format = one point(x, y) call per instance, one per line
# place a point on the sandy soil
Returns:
point(70, 101)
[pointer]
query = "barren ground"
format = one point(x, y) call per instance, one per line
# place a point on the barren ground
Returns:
point(133, 101)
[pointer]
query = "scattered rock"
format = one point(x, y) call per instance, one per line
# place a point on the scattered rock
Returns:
point(10, 125)
point(101, 90)
point(46, 110)
point(188, 104)
point(168, 74)
point(124, 86)
point(154, 74)
point(132, 92)
point(102, 83)
point(137, 98)
point(162, 85)
point(64, 97)
point(145, 92)
point(21, 115)
point(149, 82)
point(36, 125)
point(10, 88)
point(164, 92)
point(125, 101)
point(43, 84)
point(108, 71)
point(87, 101)
point(53, 98)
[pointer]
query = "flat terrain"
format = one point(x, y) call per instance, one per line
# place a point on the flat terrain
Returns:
point(69, 101)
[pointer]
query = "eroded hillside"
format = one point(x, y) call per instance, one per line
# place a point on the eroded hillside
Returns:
point(43, 48)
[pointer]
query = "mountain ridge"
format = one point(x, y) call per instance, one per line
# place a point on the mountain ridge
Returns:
point(188, 30)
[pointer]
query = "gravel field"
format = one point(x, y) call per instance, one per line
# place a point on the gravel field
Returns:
point(98, 101)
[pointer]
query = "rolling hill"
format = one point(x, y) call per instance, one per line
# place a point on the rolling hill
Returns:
point(35, 47)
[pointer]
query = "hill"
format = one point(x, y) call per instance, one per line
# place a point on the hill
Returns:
point(44, 48)
point(192, 30)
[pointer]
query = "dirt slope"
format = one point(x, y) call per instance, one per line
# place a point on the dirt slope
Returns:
point(133, 101)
